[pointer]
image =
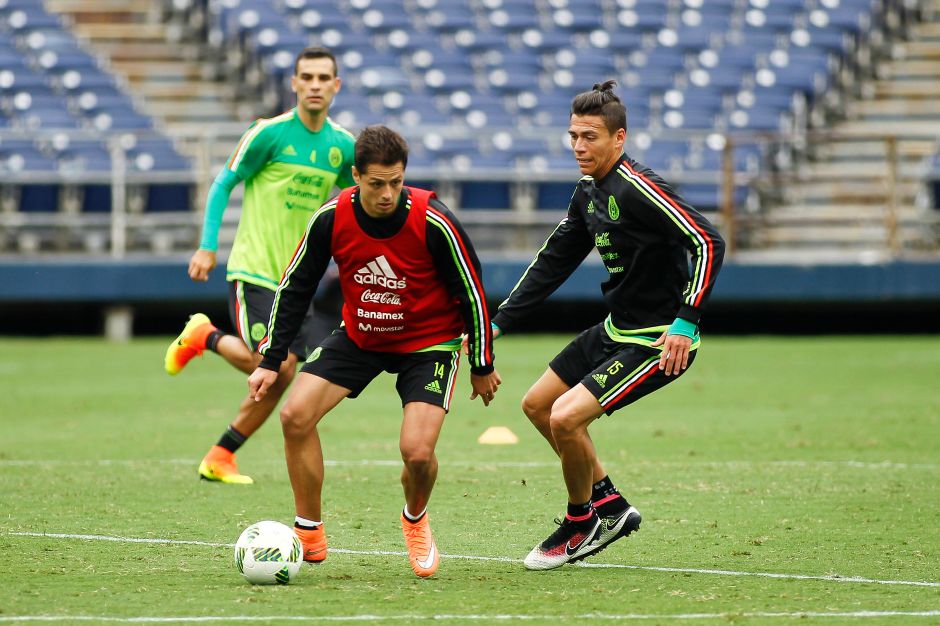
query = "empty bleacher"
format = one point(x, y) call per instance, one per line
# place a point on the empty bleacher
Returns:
point(724, 98)
point(70, 133)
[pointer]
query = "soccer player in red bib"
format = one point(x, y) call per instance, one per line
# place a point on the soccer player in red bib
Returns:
point(412, 286)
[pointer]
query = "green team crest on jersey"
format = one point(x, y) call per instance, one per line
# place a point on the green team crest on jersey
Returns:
point(613, 209)
point(258, 331)
point(336, 156)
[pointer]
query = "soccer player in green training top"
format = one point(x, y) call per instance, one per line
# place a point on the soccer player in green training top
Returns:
point(289, 164)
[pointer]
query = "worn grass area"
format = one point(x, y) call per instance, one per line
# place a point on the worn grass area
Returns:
point(781, 477)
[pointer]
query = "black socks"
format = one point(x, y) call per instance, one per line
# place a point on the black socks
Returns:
point(232, 440)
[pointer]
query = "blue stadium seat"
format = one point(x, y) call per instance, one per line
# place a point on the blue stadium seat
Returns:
point(587, 63)
point(756, 119)
point(487, 194)
point(355, 118)
point(649, 78)
point(447, 78)
point(39, 99)
point(555, 196)
point(314, 20)
point(766, 98)
point(442, 149)
point(382, 22)
point(12, 58)
point(583, 19)
point(513, 81)
point(690, 38)
point(507, 22)
point(708, 197)
point(120, 119)
point(72, 80)
point(55, 39)
point(455, 18)
point(156, 155)
point(690, 117)
point(380, 79)
point(845, 17)
point(78, 157)
point(665, 155)
point(270, 41)
point(775, 17)
point(546, 42)
point(36, 118)
point(16, 79)
point(22, 156)
point(831, 39)
point(746, 157)
point(30, 17)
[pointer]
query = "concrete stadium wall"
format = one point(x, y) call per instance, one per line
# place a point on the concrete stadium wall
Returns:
point(142, 281)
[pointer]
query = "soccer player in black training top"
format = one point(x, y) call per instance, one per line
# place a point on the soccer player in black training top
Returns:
point(663, 258)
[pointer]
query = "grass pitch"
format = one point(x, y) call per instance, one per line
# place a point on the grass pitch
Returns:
point(781, 478)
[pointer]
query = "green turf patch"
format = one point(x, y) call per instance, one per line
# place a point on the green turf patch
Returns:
point(781, 476)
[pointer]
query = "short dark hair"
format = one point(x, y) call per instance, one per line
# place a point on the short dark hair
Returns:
point(316, 52)
point(379, 145)
point(602, 101)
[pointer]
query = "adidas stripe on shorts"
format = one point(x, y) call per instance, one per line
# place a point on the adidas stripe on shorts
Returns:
point(615, 373)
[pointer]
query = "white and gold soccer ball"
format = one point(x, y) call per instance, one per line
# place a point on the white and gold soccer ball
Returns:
point(268, 553)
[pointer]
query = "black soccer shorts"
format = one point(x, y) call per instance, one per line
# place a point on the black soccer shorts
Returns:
point(422, 376)
point(615, 373)
point(249, 307)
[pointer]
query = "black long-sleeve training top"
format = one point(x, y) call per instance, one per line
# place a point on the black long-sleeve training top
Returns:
point(448, 245)
point(646, 235)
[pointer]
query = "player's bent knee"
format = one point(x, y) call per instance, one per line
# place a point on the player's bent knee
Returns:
point(418, 459)
point(535, 409)
point(563, 424)
point(295, 421)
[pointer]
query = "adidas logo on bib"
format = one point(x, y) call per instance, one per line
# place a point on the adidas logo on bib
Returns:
point(379, 272)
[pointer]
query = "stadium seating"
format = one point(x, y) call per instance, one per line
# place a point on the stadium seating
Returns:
point(61, 116)
point(514, 64)
point(458, 78)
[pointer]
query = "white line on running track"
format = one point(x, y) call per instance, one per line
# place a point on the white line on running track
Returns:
point(501, 559)
point(475, 617)
point(874, 465)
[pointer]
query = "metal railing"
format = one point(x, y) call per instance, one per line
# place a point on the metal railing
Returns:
point(519, 227)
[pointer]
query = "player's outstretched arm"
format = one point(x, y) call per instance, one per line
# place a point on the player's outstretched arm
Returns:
point(485, 386)
point(202, 262)
point(465, 339)
point(259, 382)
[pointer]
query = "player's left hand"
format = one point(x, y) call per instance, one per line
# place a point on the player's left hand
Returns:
point(675, 355)
point(485, 386)
point(259, 382)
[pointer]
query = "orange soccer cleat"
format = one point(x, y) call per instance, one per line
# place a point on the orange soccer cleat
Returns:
point(422, 551)
point(190, 343)
point(219, 465)
point(314, 543)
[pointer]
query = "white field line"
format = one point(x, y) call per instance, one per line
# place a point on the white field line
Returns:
point(501, 559)
point(872, 465)
point(478, 617)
